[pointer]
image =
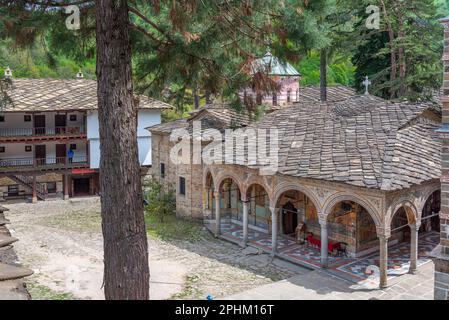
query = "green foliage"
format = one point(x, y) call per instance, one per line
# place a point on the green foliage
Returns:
point(161, 201)
point(175, 229)
point(403, 57)
point(41, 292)
point(35, 62)
point(340, 70)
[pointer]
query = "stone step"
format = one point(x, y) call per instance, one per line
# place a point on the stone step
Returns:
point(8, 272)
point(4, 221)
point(6, 241)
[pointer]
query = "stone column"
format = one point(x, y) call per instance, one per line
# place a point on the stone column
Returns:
point(324, 243)
point(245, 221)
point(414, 228)
point(66, 186)
point(34, 195)
point(383, 261)
point(274, 231)
point(217, 213)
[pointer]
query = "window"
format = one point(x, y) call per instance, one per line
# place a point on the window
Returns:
point(13, 190)
point(73, 117)
point(27, 148)
point(27, 118)
point(297, 95)
point(2, 149)
point(51, 187)
point(73, 146)
point(182, 186)
point(2, 118)
point(288, 96)
point(162, 170)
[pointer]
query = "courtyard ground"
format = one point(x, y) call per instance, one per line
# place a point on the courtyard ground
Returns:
point(61, 241)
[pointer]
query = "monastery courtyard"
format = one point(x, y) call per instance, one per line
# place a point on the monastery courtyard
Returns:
point(61, 241)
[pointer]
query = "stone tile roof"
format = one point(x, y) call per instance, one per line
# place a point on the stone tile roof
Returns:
point(168, 127)
point(334, 93)
point(216, 116)
point(362, 141)
point(62, 95)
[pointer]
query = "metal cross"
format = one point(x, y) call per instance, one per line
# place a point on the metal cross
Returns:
point(366, 83)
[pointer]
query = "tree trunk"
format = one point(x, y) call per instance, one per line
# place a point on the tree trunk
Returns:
point(196, 97)
point(401, 56)
point(323, 74)
point(393, 63)
point(126, 270)
point(208, 97)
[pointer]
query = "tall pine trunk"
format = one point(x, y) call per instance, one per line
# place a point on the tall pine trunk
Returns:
point(196, 97)
point(323, 74)
point(126, 270)
point(393, 63)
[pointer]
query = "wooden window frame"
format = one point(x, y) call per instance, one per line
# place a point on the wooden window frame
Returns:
point(162, 170)
point(182, 186)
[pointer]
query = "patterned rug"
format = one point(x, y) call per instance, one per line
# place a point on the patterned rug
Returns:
point(360, 270)
point(398, 259)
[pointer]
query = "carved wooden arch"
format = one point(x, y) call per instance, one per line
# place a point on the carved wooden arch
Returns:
point(222, 176)
point(410, 210)
point(425, 197)
point(288, 186)
point(339, 197)
point(255, 179)
point(206, 171)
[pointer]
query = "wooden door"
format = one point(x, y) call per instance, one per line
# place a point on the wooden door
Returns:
point(61, 153)
point(60, 123)
point(289, 218)
point(40, 154)
point(39, 124)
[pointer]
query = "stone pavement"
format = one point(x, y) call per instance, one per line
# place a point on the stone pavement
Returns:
point(321, 285)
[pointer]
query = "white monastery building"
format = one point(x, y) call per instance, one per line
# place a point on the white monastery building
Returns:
point(49, 138)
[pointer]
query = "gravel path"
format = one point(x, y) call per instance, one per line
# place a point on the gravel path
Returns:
point(61, 241)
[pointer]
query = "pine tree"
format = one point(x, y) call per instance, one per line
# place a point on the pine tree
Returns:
point(174, 42)
point(402, 57)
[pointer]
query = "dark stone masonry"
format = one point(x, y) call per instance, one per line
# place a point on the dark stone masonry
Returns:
point(12, 287)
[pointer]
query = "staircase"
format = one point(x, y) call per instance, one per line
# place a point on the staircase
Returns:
point(27, 182)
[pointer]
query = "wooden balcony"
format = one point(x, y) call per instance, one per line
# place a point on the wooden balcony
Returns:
point(12, 165)
point(44, 133)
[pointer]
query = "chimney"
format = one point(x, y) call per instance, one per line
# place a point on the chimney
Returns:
point(79, 75)
point(440, 255)
point(8, 73)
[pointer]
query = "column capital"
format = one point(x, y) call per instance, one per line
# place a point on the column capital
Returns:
point(383, 233)
point(415, 226)
point(245, 200)
point(216, 193)
point(322, 219)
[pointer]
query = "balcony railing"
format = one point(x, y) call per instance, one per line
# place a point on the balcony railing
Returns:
point(42, 163)
point(44, 131)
